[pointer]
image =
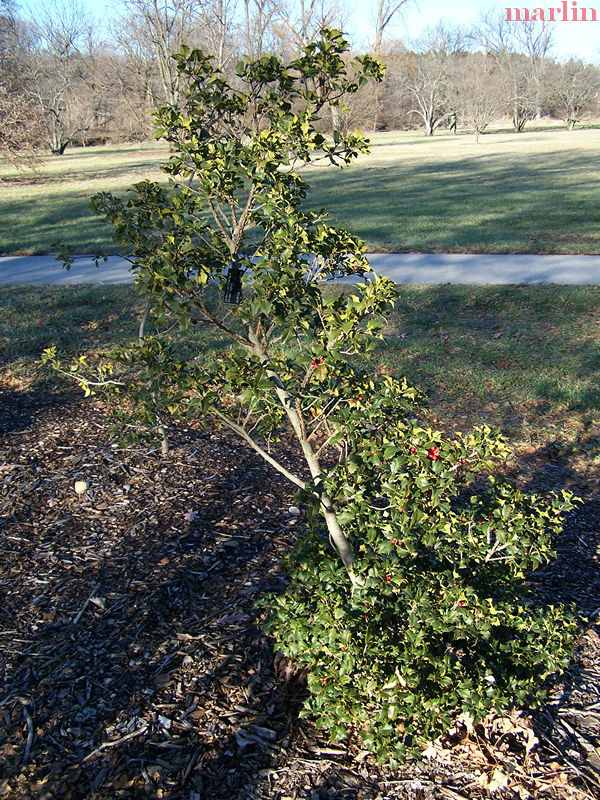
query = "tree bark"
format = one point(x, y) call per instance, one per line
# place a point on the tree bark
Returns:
point(336, 534)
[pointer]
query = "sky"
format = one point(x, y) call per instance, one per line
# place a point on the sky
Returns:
point(571, 39)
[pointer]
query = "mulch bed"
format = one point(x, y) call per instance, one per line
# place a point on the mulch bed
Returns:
point(133, 665)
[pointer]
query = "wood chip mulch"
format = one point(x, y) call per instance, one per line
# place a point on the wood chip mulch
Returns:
point(131, 658)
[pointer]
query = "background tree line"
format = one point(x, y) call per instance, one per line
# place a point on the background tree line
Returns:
point(63, 81)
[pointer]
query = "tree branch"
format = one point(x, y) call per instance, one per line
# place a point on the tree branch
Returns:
point(261, 451)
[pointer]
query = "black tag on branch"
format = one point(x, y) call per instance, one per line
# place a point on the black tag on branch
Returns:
point(233, 287)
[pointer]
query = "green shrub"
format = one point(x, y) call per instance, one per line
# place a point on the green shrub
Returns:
point(414, 606)
point(441, 620)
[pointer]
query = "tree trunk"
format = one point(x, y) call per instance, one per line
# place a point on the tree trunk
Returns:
point(335, 118)
point(58, 149)
point(287, 401)
point(376, 106)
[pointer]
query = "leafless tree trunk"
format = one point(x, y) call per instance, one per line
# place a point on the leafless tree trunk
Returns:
point(521, 53)
point(575, 87)
point(386, 11)
point(259, 18)
point(165, 25)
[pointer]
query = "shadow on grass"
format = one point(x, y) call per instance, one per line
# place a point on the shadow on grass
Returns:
point(133, 170)
point(65, 217)
point(74, 318)
point(77, 319)
point(531, 202)
point(480, 203)
point(498, 352)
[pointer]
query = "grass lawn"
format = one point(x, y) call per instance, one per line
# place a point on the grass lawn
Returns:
point(534, 192)
point(54, 203)
point(525, 358)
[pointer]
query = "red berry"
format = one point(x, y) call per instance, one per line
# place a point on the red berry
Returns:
point(412, 450)
point(388, 577)
point(360, 396)
point(433, 453)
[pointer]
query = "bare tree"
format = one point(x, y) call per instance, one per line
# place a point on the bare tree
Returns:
point(21, 124)
point(535, 41)
point(386, 105)
point(521, 53)
point(386, 10)
point(479, 95)
point(301, 20)
point(218, 29)
point(16, 44)
point(385, 13)
point(259, 18)
point(429, 73)
point(62, 72)
point(131, 69)
point(8, 32)
point(162, 26)
point(575, 87)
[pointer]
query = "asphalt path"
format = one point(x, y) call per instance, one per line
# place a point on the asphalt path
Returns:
point(424, 268)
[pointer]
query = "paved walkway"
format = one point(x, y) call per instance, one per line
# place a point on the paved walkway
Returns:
point(401, 267)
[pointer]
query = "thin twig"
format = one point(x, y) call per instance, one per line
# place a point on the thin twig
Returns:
point(85, 605)
point(29, 741)
point(25, 705)
point(115, 742)
point(255, 446)
point(191, 764)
